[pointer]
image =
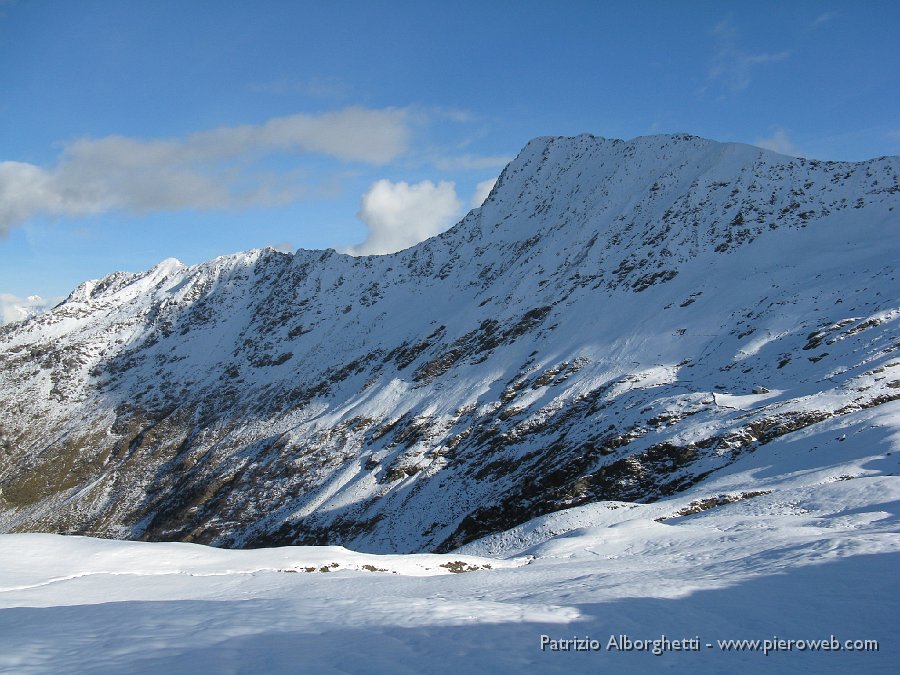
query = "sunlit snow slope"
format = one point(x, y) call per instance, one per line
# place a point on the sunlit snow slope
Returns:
point(618, 321)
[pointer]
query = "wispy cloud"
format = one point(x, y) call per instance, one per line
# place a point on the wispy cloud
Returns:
point(14, 308)
point(399, 215)
point(780, 142)
point(471, 162)
point(732, 66)
point(205, 170)
point(821, 19)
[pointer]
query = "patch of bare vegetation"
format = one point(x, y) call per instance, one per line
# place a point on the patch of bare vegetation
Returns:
point(459, 567)
point(700, 505)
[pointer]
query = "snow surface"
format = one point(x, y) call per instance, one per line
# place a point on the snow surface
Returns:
point(814, 555)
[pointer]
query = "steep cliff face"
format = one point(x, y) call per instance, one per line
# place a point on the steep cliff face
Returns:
point(617, 321)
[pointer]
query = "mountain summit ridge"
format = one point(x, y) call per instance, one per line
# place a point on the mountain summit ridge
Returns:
point(617, 321)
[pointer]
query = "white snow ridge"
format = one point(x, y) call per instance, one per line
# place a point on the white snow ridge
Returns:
point(637, 412)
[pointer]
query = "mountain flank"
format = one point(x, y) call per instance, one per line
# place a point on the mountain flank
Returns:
point(617, 322)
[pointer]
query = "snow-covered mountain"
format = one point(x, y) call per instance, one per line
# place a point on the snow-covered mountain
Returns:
point(618, 321)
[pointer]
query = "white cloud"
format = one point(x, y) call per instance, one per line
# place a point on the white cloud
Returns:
point(822, 18)
point(399, 215)
point(14, 308)
point(482, 190)
point(779, 142)
point(732, 66)
point(205, 170)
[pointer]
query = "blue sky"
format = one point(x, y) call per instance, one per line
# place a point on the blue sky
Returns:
point(135, 131)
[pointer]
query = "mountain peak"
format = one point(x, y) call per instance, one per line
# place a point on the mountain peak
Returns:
point(617, 321)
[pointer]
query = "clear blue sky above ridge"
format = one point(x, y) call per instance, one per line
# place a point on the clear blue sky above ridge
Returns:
point(135, 131)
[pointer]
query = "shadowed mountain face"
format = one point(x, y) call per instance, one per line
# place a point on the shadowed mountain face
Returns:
point(618, 321)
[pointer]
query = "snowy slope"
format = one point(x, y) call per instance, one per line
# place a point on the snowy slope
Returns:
point(619, 321)
point(812, 556)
